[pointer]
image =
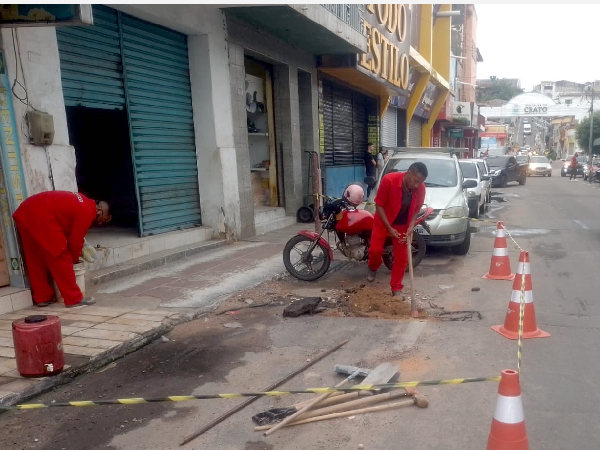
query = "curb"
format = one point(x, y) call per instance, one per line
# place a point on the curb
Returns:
point(154, 263)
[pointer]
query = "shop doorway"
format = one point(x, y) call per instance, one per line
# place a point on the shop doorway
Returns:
point(103, 154)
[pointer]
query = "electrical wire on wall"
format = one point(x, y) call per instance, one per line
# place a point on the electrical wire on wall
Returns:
point(24, 99)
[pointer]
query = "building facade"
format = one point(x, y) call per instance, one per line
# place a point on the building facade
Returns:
point(166, 111)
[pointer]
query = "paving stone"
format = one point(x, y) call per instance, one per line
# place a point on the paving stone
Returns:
point(5, 342)
point(8, 363)
point(125, 321)
point(89, 342)
point(77, 324)
point(106, 334)
point(120, 327)
point(151, 312)
point(6, 334)
point(6, 352)
point(148, 317)
point(84, 351)
point(67, 330)
point(86, 318)
point(19, 385)
point(6, 325)
point(165, 293)
point(106, 312)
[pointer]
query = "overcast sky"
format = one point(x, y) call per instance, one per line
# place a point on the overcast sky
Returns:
point(539, 42)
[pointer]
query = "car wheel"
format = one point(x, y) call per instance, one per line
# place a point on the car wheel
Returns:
point(562, 174)
point(482, 209)
point(463, 247)
point(550, 174)
point(475, 212)
point(503, 181)
point(523, 180)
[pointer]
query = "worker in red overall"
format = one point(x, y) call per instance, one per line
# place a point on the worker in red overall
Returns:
point(52, 226)
point(399, 198)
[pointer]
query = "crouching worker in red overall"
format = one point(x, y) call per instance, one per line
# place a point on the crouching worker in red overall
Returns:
point(398, 201)
point(52, 226)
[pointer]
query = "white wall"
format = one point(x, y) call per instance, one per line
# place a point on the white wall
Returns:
point(40, 74)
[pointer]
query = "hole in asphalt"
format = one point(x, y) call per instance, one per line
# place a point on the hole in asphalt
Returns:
point(459, 316)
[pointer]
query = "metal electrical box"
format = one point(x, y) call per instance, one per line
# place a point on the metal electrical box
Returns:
point(41, 128)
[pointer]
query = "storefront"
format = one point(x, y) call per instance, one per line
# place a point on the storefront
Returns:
point(358, 97)
point(127, 94)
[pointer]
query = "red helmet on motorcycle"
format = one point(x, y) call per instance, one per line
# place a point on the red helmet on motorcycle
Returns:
point(354, 194)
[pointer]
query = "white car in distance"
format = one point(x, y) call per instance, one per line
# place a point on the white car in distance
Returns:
point(476, 196)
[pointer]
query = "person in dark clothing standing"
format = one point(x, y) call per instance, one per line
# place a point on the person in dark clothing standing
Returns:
point(370, 165)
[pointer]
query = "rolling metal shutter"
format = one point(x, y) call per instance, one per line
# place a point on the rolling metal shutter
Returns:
point(157, 82)
point(125, 63)
point(90, 62)
point(389, 127)
point(414, 132)
point(345, 123)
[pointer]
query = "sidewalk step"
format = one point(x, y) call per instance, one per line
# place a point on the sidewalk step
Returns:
point(264, 214)
point(153, 261)
point(273, 225)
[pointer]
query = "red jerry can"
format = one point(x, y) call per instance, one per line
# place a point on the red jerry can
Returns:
point(38, 346)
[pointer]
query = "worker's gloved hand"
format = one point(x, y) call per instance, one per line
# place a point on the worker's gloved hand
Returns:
point(88, 253)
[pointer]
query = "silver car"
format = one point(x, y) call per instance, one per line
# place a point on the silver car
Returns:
point(446, 193)
point(539, 165)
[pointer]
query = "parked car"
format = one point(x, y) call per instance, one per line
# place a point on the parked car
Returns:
point(505, 169)
point(522, 159)
point(581, 163)
point(487, 183)
point(526, 128)
point(539, 165)
point(446, 194)
point(476, 196)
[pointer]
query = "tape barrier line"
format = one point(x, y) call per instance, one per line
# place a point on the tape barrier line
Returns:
point(512, 239)
point(521, 316)
point(184, 398)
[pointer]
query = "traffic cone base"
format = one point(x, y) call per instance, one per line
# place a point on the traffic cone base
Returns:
point(500, 264)
point(510, 328)
point(508, 423)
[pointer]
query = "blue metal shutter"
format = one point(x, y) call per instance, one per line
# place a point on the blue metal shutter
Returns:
point(90, 62)
point(159, 104)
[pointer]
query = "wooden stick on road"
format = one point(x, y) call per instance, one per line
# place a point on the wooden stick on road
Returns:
point(241, 406)
point(413, 301)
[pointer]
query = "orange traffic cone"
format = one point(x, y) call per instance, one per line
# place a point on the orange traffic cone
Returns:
point(508, 425)
point(500, 265)
point(510, 329)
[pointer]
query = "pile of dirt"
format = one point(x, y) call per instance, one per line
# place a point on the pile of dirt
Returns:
point(374, 302)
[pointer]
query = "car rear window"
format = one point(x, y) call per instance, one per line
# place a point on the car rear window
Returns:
point(499, 161)
point(442, 172)
point(468, 170)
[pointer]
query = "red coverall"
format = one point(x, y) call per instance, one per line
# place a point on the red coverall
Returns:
point(53, 226)
point(389, 196)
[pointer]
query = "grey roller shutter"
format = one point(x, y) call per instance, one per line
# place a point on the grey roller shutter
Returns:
point(414, 132)
point(389, 127)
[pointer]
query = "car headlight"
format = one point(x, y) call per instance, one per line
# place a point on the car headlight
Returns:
point(496, 172)
point(455, 211)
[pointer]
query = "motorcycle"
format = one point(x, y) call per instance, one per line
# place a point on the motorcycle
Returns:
point(307, 255)
point(593, 173)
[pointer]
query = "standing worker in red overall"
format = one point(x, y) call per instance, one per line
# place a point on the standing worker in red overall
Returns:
point(53, 226)
point(399, 199)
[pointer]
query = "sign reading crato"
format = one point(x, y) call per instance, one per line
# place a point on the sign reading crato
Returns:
point(535, 109)
point(387, 28)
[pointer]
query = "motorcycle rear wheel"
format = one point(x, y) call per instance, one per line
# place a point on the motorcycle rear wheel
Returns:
point(419, 247)
point(320, 254)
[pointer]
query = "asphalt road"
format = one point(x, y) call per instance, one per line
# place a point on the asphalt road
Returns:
point(558, 221)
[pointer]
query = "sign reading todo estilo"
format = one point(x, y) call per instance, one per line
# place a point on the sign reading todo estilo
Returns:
point(387, 31)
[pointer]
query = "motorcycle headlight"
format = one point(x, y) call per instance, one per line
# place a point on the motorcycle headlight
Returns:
point(471, 193)
point(455, 211)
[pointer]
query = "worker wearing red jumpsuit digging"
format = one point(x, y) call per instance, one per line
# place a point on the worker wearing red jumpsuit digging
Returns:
point(399, 198)
point(52, 226)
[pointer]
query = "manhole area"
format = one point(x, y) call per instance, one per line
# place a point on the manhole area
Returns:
point(458, 316)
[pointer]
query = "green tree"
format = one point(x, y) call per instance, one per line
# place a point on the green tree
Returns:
point(583, 132)
point(500, 88)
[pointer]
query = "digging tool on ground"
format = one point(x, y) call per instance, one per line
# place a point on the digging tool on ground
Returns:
point(308, 406)
point(350, 405)
point(241, 406)
point(418, 399)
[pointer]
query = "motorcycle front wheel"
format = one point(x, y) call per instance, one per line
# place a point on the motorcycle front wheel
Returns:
point(300, 264)
point(419, 247)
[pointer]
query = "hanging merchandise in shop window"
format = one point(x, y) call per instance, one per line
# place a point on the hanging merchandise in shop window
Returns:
point(387, 28)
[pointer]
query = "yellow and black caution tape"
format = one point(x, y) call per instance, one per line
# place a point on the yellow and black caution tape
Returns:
point(184, 398)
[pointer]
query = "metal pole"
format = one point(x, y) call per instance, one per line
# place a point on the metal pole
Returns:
point(590, 145)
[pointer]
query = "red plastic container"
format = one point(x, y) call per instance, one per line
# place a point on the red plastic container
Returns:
point(38, 346)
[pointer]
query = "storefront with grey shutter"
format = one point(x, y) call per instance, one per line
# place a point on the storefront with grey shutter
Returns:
point(129, 79)
point(389, 127)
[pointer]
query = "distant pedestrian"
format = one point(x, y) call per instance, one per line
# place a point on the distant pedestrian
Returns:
point(370, 165)
point(574, 167)
point(382, 158)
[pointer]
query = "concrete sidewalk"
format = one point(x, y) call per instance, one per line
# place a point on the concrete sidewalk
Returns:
point(133, 311)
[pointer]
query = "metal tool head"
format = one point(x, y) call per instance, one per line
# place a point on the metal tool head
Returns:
point(382, 374)
point(351, 370)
